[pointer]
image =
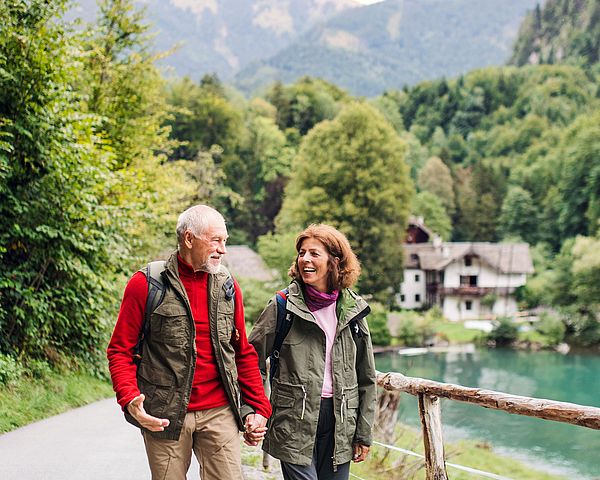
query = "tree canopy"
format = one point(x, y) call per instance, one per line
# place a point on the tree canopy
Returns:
point(350, 173)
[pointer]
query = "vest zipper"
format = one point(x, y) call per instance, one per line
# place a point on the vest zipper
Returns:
point(190, 379)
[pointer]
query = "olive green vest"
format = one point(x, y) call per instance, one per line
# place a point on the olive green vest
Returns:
point(166, 371)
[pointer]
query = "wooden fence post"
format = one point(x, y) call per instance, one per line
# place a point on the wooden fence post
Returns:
point(386, 415)
point(431, 420)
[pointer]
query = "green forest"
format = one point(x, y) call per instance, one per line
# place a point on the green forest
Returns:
point(100, 151)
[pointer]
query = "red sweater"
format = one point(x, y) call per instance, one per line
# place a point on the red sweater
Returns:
point(207, 387)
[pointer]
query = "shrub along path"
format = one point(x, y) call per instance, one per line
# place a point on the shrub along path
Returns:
point(92, 442)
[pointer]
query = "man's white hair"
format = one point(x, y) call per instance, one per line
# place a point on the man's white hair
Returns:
point(197, 219)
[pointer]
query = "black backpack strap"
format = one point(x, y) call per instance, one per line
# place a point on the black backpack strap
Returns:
point(156, 294)
point(284, 323)
point(229, 288)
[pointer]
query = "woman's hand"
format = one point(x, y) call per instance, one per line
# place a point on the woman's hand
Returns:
point(359, 452)
point(255, 429)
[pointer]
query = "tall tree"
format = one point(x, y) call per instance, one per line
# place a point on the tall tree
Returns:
point(430, 207)
point(59, 243)
point(123, 85)
point(258, 172)
point(519, 215)
point(305, 103)
point(350, 173)
point(203, 117)
point(579, 184)
point(124, 88)
point(436, 178)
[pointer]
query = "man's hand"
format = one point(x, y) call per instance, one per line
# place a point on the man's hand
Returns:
point(359, 452)
point(255, 429)
point(136, 410)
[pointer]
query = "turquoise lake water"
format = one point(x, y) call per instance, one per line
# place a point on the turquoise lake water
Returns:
point(550, 446)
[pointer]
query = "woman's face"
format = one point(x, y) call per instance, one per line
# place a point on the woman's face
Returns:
point(313, 264)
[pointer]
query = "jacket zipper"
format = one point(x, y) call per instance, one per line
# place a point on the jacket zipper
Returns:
point(303, 402)
point(360, 315)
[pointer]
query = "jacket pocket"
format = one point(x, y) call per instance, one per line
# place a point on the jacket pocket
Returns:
point(158, 390)
point(154, 376)
point(350, 411)
point(169, 324)
point(286, 400)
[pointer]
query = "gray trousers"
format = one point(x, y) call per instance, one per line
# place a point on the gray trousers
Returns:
point(321, 467)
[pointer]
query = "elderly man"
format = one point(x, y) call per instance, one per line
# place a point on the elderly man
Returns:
point(197, 383)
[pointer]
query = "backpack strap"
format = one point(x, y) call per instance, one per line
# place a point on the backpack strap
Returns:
point(229, 288)
point(355, 329)
point(156, 294)
point(284, 323)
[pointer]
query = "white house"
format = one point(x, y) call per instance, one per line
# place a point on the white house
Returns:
point(470, 280)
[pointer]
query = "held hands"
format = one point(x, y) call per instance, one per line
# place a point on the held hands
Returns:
point(255, 429)
point(136, 410)
point(359, 452)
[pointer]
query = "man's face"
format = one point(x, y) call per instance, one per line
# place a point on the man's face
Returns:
point(208, 248)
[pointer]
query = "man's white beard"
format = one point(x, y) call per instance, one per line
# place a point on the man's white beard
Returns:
point(210, 268)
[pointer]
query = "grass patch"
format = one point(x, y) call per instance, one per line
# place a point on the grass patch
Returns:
point(455, 332)
point(30, 399)
point(384, 464)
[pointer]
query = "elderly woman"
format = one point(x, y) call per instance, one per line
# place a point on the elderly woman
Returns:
point(324, 389)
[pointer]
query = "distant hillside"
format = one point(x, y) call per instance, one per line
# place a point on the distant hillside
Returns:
point(562, 31)
point(395, 43)
point(223, 36)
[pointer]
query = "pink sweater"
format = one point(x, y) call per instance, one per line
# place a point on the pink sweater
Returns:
point(327, 320)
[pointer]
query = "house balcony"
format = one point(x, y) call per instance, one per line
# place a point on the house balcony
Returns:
point(474, 291)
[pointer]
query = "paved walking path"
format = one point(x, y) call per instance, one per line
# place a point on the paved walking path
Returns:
point(89, 443)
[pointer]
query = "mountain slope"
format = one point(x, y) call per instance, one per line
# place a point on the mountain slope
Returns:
point(561, 31)
point(396, 42)
point(222, 36)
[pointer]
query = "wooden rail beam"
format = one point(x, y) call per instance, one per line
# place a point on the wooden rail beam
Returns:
point(572, 413)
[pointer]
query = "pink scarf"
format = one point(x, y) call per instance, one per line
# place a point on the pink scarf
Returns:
point(316, 300)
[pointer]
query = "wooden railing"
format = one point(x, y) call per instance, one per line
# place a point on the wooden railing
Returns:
point(429, 393)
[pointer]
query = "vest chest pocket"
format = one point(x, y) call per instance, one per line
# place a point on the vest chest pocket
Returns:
point(169, 324)
point(225, 320)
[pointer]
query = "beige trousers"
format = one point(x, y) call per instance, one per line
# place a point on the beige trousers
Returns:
point(212, 435)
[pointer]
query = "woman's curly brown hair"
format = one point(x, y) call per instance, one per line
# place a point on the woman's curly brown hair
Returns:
point(342, 274)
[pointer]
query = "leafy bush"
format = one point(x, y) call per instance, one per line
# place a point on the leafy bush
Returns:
point(582, 327)
point(10, 370)
point(414, 330)
point(378, 318)
point(256, 296)
point(489, 300)
point(278, 251)
point(38, 369)
point(504, 333)
point(551, 327)
point(434, 314)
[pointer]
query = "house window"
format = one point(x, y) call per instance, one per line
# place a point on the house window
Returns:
point(468, 304)
point(402, 297)
point(417, 277)
point(468, 261)
point(417, 298)
point(414, 257)
point(468, 280)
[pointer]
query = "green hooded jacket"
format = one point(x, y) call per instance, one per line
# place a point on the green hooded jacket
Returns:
point(297, 386)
